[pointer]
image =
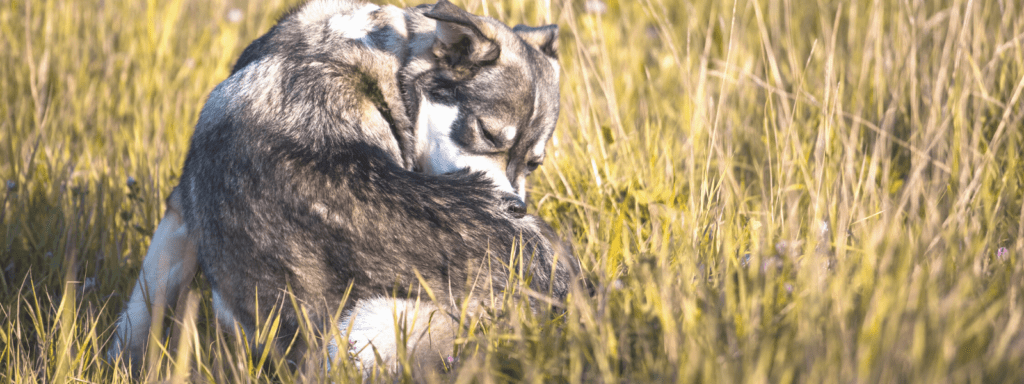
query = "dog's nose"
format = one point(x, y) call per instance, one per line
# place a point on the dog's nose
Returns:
point(514, 205)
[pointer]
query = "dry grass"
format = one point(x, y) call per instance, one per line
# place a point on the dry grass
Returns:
point(787, 191)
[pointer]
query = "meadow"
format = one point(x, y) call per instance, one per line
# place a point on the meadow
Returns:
point(763, 191)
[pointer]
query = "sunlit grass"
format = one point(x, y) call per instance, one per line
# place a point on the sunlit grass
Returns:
point(785, 191)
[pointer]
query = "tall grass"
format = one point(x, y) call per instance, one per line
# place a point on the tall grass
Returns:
point(764, 191)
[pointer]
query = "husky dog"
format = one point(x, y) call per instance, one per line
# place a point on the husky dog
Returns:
point(370, 148)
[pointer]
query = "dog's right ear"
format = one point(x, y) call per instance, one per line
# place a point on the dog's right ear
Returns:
point(464, 40)
point(545, 38)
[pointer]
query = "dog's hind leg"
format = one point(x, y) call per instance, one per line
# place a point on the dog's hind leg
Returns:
point(380, 324)
point(169, 266)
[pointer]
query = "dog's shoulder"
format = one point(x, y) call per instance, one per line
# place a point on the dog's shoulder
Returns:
point(317, 28)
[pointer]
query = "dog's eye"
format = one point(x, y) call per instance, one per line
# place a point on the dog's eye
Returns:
point(532, 166)
point(485, 134)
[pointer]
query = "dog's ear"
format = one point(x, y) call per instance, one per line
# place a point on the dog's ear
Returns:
point(462, 38)
point(545, 38)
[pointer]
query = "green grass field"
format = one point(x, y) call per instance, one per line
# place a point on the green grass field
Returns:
point(788, 191)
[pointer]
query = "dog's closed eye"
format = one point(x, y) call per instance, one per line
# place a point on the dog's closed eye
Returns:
point(489, 138)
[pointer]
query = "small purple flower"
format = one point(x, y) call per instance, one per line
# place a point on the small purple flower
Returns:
point(131, 181)
point(1002, 254)
point(11, 185)
point(770, 263)
point(781, 247)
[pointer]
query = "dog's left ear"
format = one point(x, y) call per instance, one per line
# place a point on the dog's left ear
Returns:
point(464, 38)
point(545, 38)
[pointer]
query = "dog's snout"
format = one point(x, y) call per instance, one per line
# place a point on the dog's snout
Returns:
point(514, 205)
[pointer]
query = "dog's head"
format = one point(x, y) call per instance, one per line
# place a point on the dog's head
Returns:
point(486, 98)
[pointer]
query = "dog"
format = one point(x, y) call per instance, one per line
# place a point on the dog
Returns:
point(369, 151)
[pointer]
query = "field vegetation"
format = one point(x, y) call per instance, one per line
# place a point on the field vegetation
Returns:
point(763, 191)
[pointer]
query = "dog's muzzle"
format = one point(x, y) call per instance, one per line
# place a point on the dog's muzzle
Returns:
point(514, 205)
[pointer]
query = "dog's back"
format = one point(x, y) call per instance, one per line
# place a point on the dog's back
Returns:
point(300, 179)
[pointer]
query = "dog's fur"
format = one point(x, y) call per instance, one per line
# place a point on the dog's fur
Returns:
point(365, 147)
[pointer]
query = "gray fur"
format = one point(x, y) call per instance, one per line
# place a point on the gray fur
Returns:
point(307, 175)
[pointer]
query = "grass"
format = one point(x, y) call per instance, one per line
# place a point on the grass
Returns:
point(786, 191)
